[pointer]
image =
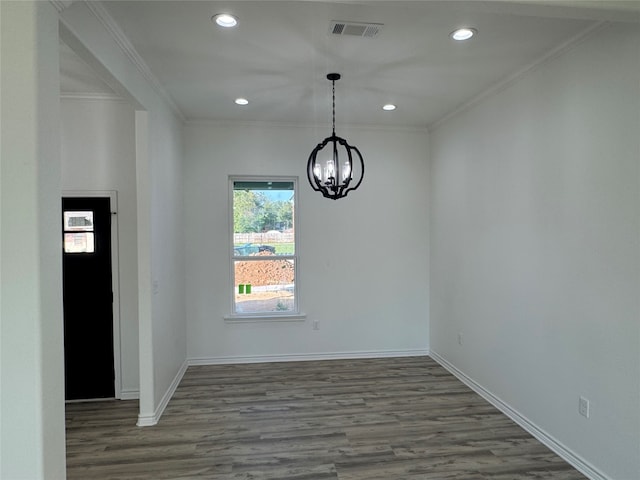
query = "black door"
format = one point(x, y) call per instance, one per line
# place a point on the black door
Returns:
point(87, 296)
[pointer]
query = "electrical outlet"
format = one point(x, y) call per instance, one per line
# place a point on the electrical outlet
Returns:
point(583, 407)
point(459, 339)
point(316, 325)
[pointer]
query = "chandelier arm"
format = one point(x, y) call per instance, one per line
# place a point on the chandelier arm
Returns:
point(347, 181)
point(310, 166)
point(316, 183)
point(361, 161)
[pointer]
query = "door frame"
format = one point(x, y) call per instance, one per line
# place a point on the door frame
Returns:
point(115, 276)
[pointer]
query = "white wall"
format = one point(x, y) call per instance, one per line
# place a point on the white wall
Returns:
point(98, 153)
point(159, 188)
point(535, 253)
point(31, 359)
point(363, 259)
point(167, 247)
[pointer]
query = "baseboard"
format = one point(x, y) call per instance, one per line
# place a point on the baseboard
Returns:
point(129, 395)
point(154, 418)
point(91, 400)
point(561, 450)
point(303, 357)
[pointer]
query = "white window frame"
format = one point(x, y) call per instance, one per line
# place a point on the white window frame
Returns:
point(295, 314)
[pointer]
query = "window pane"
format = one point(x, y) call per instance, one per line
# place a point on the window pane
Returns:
point(79, 242)
point(264, 286)
point(263, 218)
point(263, 242)
point(78, 221)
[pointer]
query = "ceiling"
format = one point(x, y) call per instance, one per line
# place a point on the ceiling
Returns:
point(280, 52)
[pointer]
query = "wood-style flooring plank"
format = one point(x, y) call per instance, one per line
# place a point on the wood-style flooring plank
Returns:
point(369, 419)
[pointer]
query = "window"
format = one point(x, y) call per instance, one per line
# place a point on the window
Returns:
point(264, 253)
point(78, 232)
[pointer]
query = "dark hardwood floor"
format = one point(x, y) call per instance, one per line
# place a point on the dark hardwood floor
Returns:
point(372, 419)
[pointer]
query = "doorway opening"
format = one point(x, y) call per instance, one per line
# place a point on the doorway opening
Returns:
point(90, 296)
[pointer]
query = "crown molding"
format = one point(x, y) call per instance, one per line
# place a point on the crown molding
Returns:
point(92, 97)
point(210, 122)
point(501, 85)
point(60, 5)
point(98, 10)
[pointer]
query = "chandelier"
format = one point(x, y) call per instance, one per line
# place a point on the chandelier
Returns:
point(337, 169)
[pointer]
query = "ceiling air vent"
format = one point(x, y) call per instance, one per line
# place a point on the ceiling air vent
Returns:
point(355, 29)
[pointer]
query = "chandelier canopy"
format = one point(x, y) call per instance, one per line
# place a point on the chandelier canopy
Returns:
point(335, 167)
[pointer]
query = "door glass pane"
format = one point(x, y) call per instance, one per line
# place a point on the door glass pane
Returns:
point(265, 286)
point(78, 221)
point(79, 242)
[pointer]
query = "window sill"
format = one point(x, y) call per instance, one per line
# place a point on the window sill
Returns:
point(294, 317)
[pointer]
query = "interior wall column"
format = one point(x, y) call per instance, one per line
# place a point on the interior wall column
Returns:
point(32, 435)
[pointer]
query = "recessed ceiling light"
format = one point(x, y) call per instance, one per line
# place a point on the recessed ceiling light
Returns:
point(389, 107)
point(241, 101)
point(225, 20)
point(463, 33)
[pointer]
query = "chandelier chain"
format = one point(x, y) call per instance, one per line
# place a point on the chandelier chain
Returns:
point(334, 107)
